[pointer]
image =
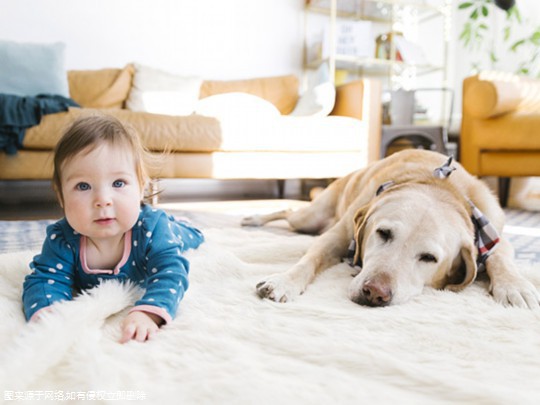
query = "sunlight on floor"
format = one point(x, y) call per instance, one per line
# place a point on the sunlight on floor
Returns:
point(239, 207)
point(521, 230)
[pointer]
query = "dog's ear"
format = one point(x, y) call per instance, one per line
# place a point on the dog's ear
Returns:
point(464, 271)
point(360, 218)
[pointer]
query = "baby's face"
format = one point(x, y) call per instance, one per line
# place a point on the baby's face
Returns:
point(101, 192)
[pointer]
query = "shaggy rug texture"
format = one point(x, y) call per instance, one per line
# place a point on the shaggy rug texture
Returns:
point(229, 346)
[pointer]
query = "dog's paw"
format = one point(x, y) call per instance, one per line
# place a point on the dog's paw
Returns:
point(279, 288)
point(517, 292)
point(254, 220)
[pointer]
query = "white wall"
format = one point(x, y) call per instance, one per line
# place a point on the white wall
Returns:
point(214, 39)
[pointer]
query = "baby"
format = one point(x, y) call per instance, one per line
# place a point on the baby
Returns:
point(108, 233)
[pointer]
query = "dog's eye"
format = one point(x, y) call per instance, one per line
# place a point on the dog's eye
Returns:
point(428, 258)
point(384, 234)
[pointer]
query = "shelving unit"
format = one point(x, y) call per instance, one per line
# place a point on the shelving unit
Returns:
point(408, 61)
point(387, 16)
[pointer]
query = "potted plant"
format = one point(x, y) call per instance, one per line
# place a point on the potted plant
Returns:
point(486, 43)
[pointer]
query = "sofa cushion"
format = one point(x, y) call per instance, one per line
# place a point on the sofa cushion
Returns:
point(160, 92)
point(236, 106)
point(320, 96)
point(103, 88)
point(316, 101)
point(517, 131)
point(193, 133)
point(197, 133)
point(29, 69)
point(282, 91)
point(294, 134)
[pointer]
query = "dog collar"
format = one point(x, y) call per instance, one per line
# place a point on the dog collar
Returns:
point(486, 236)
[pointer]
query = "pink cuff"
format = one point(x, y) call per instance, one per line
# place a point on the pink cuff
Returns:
point(38, 313)
point(153, 310)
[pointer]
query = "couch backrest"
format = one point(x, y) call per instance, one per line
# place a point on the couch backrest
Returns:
point(109, 88)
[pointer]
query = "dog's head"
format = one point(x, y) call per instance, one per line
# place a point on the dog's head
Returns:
point(409, 237)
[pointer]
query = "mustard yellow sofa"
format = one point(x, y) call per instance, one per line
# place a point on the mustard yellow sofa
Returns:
point(197, 146)
point(500, 129)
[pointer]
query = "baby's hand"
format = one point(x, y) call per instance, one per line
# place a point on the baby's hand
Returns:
point(139, 326)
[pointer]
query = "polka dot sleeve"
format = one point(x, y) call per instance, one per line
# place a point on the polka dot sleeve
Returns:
point(51, 279)
point(167, 268)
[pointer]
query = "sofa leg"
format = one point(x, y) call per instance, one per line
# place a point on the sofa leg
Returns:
point(281, 188)
point(504, 190)
point(154, 192)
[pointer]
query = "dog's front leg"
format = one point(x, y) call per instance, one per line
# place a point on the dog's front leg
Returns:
point(508, 286)
point(326, 251)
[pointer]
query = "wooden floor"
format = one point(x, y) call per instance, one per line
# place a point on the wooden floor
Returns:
point(27, 212)
point(33, 201)
point(30, 211)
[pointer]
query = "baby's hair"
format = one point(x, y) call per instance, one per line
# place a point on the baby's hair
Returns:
point(91, 131)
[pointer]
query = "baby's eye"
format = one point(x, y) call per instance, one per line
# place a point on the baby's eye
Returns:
point(119, 183)
point(82, 186)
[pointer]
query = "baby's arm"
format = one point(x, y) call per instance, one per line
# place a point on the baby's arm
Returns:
point(52, 277)
point(167, 269)
point(140, 326)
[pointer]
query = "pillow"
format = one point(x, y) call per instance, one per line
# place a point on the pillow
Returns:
point(103, 88)
point(160, 92)
point(29, 69)
point(318, 101)
point(320, 97)
point(282, 91)
point(236, 105)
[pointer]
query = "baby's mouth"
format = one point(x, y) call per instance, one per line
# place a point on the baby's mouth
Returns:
point(104, 221)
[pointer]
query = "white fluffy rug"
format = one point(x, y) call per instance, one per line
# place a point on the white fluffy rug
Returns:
point(229, 346)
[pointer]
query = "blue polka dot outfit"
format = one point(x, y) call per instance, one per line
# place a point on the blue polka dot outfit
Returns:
point(152, 259)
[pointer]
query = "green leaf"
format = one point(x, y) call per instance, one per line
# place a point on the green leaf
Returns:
point(485, 11)
point(465, 5)
point(474, 15)
point(516, 45)
point(493, 57)
point(514, 12)
point(507, 32)
point(466, 34)
point(535, 37)
point(482, 27)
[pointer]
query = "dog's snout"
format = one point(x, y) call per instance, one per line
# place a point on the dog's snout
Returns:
point(376, 294)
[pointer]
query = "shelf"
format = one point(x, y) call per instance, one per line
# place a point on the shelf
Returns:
point(374, 10)
point(394, 54)
point(374, 66)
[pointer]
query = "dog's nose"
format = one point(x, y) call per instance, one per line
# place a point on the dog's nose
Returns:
point(376, 294)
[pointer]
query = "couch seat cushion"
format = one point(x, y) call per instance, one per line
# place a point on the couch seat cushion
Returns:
point(293, 134)
point(197, 133)
point(193, 133)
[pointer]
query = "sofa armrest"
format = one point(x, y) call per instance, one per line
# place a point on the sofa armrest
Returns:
point(361, 99)
point(491, 94)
